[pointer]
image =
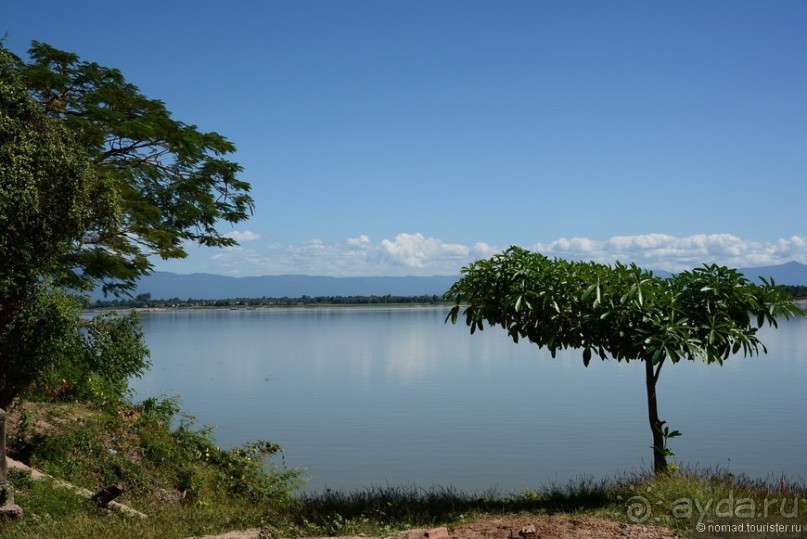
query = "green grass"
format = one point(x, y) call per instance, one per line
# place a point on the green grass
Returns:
point(380, 511)
point(169, 470)
point(673, 502)
point(52, 512)
point(680, 499)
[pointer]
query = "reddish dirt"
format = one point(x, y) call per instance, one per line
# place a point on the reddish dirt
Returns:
point(509, 527)
point(554, 526)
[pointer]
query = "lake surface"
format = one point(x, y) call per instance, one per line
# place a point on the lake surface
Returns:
point(364, 397)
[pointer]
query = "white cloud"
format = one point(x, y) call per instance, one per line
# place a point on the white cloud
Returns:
point(662, 251)
point(417, 251)
point(361, 240)
point(416, 254)
point(241, 237)
point(483, 250)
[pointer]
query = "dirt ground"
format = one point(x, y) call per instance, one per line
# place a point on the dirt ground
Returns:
point(518, 527)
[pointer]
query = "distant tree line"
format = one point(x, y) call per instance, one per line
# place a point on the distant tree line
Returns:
point(798, 292)
point(145, 301)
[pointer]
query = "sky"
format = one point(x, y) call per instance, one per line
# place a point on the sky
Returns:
point(413, 137)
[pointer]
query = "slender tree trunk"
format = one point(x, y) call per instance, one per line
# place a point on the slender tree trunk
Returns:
point(659, 458)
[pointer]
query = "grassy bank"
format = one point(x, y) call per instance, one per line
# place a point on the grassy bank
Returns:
point(671, 501)
point(174, 473)
point(168, 468)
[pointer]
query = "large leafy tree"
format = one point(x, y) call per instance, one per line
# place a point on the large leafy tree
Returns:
point(622, 312)
point(44, 187)
point(95, 178)
point(158, 183)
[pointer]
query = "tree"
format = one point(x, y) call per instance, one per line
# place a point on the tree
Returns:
point(95, 178)
point(622, 312)
point(44, 179)
point(157, 182)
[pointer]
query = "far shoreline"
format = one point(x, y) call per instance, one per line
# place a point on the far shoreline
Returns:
point(270, 307)
point(801, 303)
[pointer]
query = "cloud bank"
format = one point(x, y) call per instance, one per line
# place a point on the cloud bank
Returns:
point(671, 253)
point(416, 254)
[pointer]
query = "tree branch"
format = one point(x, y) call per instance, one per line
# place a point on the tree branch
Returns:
point(658, 370)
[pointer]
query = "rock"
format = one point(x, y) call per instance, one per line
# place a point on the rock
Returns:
point(10, 511)
point(527, 532)
point(103, 497)
point(433, 533)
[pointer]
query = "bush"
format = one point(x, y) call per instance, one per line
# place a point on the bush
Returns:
point(96, 363)
point(147, 448)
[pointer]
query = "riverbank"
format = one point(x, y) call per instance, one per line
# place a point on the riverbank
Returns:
point(236, 305)
point(187, 487)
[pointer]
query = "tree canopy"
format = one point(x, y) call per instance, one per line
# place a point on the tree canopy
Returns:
point(621, 311)
point(95, 178)
point(44, 184)
point(157, 182)
point(44, 181)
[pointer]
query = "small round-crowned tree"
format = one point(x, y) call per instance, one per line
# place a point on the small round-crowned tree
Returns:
point(622, 312)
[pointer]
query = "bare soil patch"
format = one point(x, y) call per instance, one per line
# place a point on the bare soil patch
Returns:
point(516, 527)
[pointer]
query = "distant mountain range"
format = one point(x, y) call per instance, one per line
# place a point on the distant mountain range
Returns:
point(166, 285)
point(791, 273)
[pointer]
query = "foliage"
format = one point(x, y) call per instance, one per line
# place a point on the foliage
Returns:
point(103, 356)
point(158, 182)
point(43, 200)
point(156, 455)
point(680, 499)
point(147, 447)
point(32, 339)
point(623, 312)
point(145, 301)
point(44, 177)
point(382, 511)
point(94, 178)
point(797, 291)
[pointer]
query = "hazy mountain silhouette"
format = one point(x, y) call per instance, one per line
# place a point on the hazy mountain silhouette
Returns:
point(792, 273)
point(166, 285)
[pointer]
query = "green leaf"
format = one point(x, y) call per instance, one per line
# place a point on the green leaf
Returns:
point(586, 356)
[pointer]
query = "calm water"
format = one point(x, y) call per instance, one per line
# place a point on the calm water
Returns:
point(364, 397)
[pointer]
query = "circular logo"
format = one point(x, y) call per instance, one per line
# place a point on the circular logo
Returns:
point(638, 509)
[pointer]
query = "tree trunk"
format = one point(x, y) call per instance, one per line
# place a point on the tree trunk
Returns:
point(659, 458)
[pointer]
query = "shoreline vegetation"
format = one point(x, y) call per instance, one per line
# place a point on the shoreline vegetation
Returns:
point(144, 302)
point(141, 304)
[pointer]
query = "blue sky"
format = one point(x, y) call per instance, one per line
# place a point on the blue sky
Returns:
point(412, 137)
